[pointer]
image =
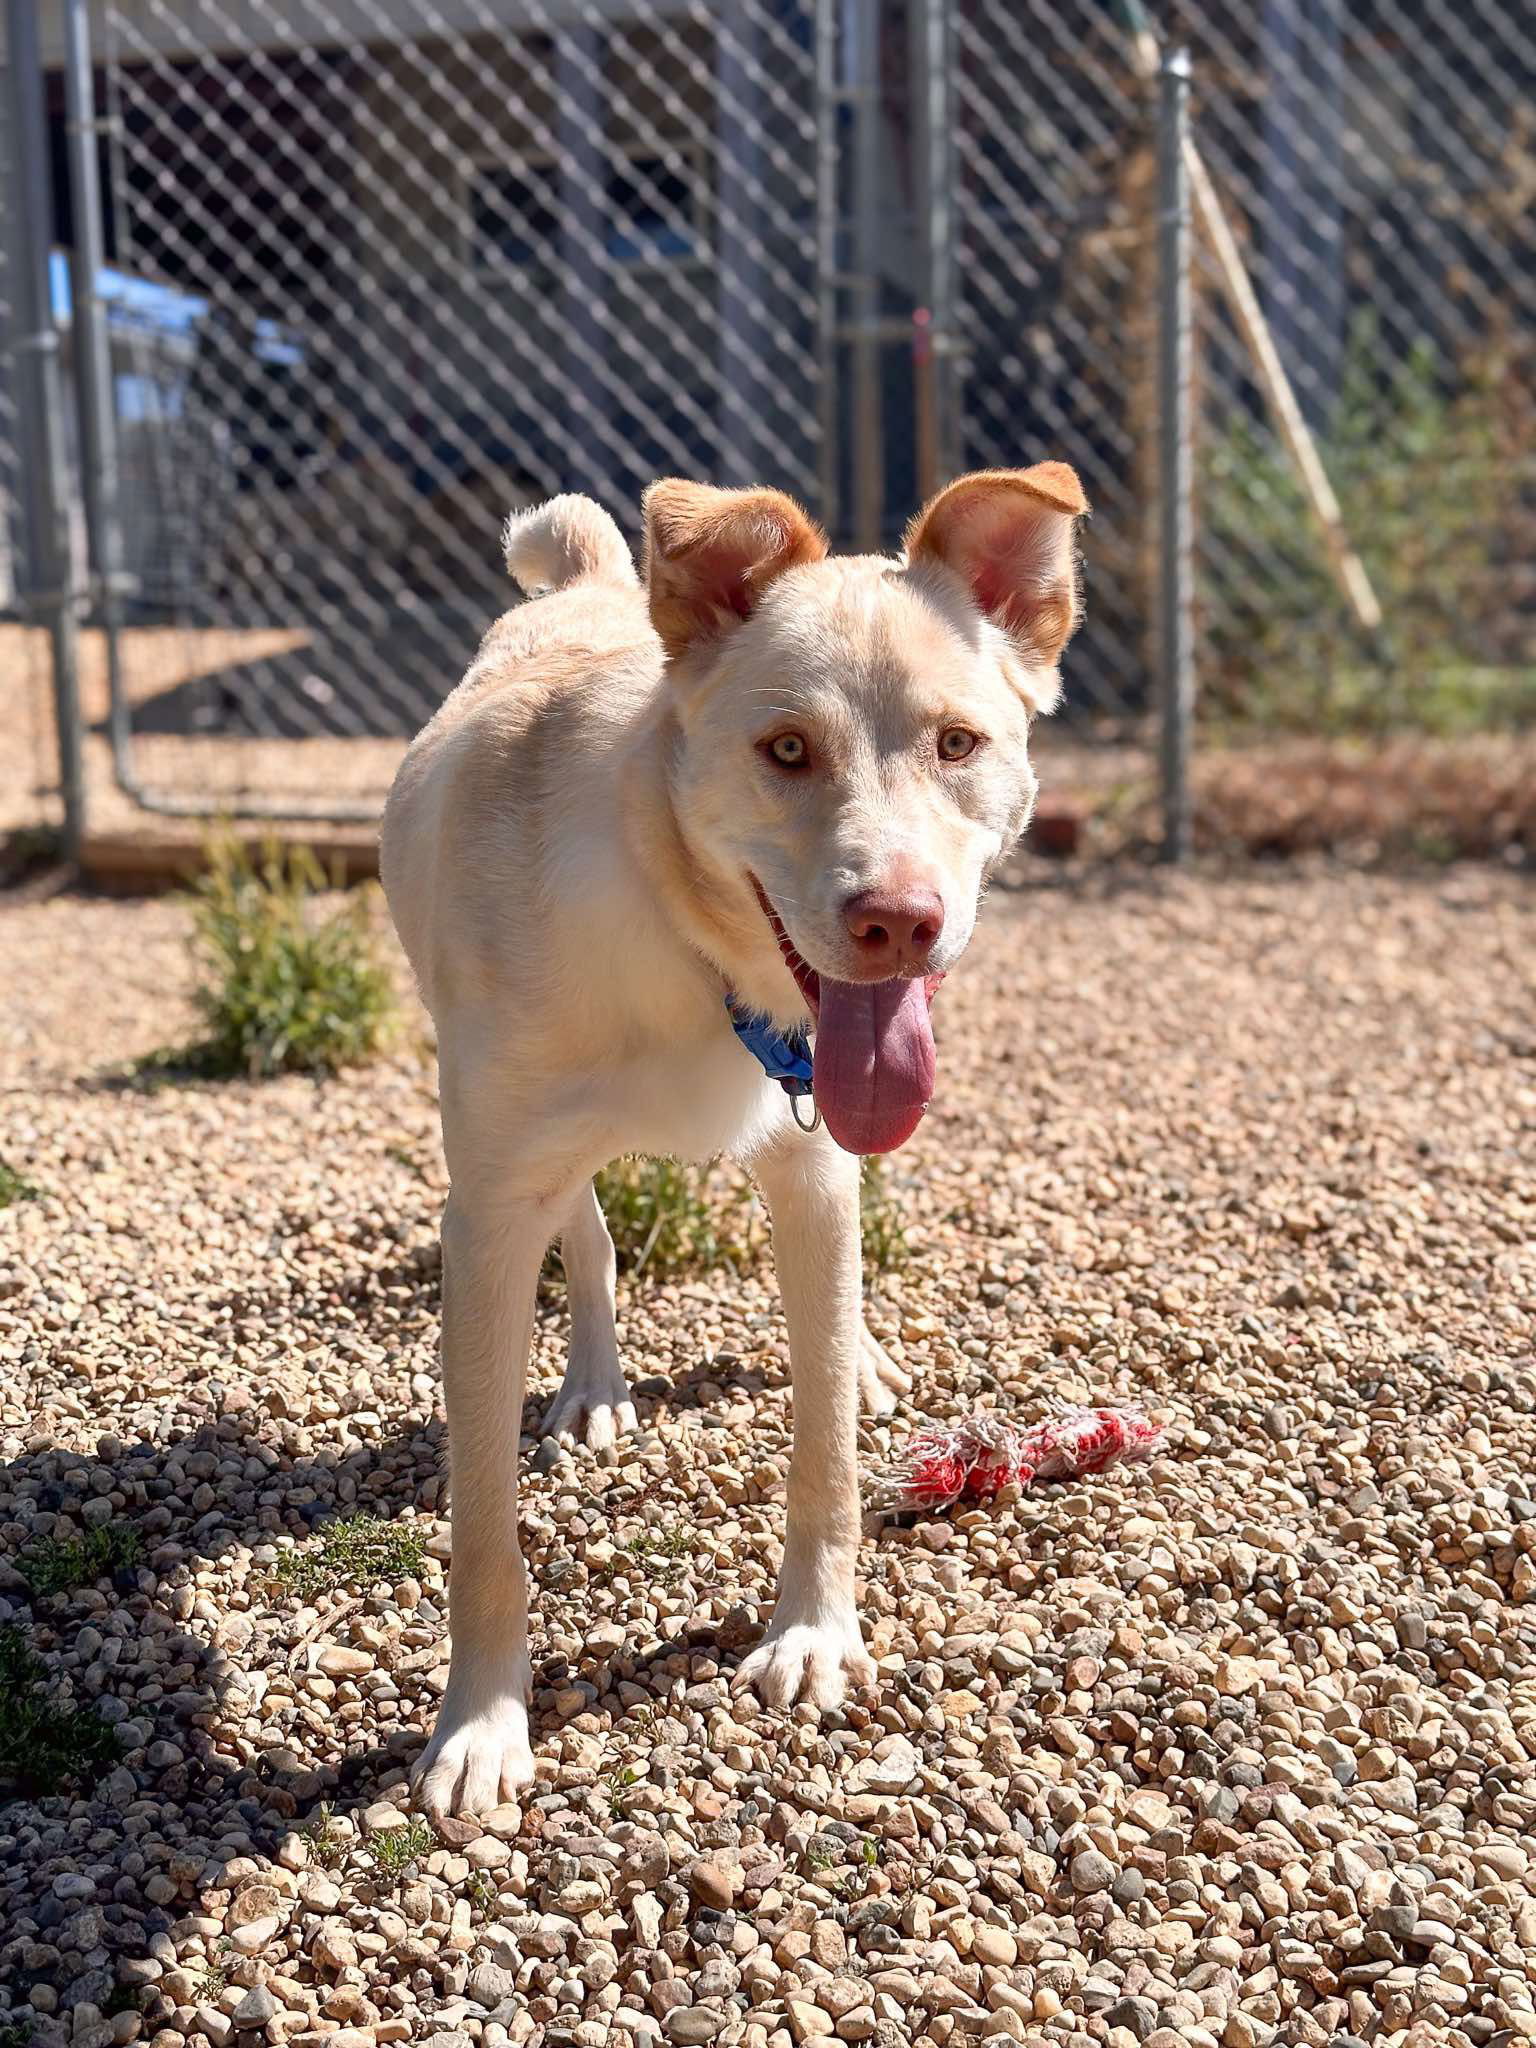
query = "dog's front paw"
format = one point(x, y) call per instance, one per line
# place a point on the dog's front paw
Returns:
point(594, 1408)
point(805, 1660)
point(881, 1379)
point(475, 1761)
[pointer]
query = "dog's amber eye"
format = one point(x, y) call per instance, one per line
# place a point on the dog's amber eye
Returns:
point(789, 750)
point(955, 743)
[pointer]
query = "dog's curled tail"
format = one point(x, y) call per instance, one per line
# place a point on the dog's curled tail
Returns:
point(569, 539)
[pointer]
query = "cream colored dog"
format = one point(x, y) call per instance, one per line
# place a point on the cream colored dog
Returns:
point(768, 773)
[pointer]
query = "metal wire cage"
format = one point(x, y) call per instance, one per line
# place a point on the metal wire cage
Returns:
point(370, 273)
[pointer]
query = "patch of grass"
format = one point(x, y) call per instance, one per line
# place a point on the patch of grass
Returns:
point(666, 1553)
point(394, 1851)
point(327, 1844)
point(484, 1899)
point(284, 987)
point(670, 1218)
point(882, 1234)
point(46, 1743)
point(15, 2033)
point(356, 1550)
point(15, 1187)
point(55, 1564)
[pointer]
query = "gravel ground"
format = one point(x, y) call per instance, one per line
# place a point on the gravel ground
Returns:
point(1232, 1748)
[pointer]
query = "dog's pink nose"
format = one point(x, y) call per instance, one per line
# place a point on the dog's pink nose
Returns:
point(895, 929)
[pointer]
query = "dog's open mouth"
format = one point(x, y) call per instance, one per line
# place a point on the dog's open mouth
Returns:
point(874, 1061)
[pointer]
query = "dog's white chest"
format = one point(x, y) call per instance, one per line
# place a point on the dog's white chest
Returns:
point(692, 1100)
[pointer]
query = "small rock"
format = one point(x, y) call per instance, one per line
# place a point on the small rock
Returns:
point(332, 1946)
point(807, 2022)
point(256, 1902)
point(489, 1984)
point(994, 1945)
point(254, 1936)
point(257, 2007)
point(1137, 2015)
point(713, 1882)
point(693, 2023)
point(336, 1660)
point(894, 1767)
point(1091, 1871)
point(381, 1817)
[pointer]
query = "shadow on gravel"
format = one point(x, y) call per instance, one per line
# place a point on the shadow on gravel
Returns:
point(208, 1773)
point(176, 1679)
point(209, 1768)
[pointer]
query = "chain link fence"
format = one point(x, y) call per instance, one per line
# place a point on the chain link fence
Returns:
point(1380, 166)
point(376, 271)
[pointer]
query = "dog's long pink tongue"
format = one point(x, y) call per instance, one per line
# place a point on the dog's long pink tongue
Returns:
point(874, 1062)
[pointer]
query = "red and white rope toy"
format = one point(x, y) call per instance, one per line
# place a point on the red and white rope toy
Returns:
point(973, 1460)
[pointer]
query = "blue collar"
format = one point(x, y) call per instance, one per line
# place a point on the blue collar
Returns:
point(785, 1060)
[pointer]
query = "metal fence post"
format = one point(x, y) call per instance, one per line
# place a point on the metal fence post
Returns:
point(862, 55)
point(828, 251)
point(92, 363)
point(933, 125)
point(1176, 494)
point(39, 408)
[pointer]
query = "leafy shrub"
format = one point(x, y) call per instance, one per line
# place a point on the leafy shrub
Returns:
point(1426, 470)
point(671, 1218)
point(286, 987)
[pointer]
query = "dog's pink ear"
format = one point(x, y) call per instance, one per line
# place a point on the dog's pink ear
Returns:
point(1010, 536)
point(710, 555)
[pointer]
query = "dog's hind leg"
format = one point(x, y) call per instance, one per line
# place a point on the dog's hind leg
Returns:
point(593, 1401)
point(881, 1379)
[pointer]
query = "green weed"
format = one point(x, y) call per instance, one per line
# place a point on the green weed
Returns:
point(15, 1187)
point(46, 1743)
point(355, 1551)
point(617, 1784)
point(669, 1218)
point(58, 1564)
point(839, 1866)
point(214, 1980)
point(882, 1234)
point(666, 1553)
point(672, 1218)
point(395, 1850)
point(327, 1844)
point(283, 987)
